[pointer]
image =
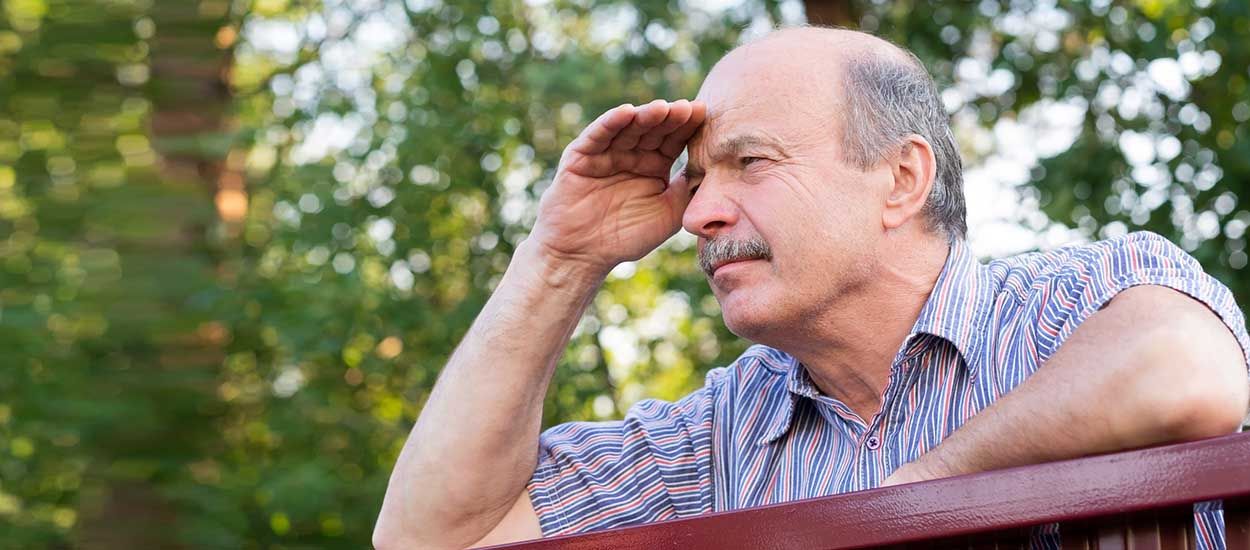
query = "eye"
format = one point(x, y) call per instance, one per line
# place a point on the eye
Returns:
point(691, 176)
point(749, 160)
point(694, 190)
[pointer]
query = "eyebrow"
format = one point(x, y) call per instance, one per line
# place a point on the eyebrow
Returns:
point(734, 146)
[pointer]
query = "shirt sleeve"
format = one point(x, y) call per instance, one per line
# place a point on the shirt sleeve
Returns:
point(653, 465)
point(1085, 278)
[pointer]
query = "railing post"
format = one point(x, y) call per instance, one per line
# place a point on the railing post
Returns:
point(1164, 529)
point(1237, 523)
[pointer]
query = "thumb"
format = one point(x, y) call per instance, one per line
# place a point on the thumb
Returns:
point(678, 194)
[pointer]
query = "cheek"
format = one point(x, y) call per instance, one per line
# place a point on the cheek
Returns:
point(780, 200)
point(811, 221)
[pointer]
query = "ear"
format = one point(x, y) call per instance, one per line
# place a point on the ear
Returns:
point(914, 170)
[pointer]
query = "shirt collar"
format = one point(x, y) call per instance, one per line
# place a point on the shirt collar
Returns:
point(955, 311)
point(778, 419)
point(957, 308)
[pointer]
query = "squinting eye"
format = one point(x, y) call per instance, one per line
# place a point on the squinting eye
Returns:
point(748, 160)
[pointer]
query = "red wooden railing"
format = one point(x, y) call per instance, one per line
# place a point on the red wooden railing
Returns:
point(1135, 500)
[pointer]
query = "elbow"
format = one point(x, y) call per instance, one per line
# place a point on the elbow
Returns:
point(387, 536)
point(383, 541)
point(1200, 385)
point(1200, 418)
point(395, 531)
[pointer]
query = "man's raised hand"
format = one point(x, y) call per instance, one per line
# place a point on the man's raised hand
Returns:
point(611, 200)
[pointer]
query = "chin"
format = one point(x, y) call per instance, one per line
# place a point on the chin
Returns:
point(750, 310)
point(746, 321)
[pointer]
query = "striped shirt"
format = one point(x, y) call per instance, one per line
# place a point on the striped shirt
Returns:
point(760, 432)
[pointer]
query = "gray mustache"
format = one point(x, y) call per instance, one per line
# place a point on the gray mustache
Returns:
point(721, 250)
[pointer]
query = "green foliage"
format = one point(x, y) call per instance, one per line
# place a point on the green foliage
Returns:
point(93, 318)
point(250, 384)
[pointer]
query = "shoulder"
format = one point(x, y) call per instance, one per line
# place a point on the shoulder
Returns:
point(1043, 297)
point(758, 375)
point(1058, 290)
point(758, 368)
point(1137, 256)
point(758, 365)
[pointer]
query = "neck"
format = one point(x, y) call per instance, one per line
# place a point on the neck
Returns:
point(849, 349)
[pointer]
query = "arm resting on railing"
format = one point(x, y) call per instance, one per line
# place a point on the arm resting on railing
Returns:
point(1110, 493)
point(1154, 366)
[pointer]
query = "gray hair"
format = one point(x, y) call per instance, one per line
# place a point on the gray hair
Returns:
point(720, 249)
point(888, 99)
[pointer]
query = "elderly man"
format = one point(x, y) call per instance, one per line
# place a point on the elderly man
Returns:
point(825, 188)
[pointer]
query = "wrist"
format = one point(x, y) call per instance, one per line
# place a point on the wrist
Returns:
point(931, 465)
point(557, 272)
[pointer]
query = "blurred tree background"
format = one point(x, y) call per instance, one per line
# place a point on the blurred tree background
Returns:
point(238, 239)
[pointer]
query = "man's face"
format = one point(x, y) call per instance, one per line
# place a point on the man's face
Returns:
point(785, 227)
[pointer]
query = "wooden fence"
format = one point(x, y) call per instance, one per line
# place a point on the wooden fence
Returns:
point(1132, 500)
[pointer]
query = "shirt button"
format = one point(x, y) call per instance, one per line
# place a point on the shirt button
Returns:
point(873, 443)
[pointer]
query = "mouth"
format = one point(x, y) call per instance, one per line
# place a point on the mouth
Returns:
point(730, 262)
point(718, 253)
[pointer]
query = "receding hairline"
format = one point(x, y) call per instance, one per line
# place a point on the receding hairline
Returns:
point(845, 44)
point(845, 49)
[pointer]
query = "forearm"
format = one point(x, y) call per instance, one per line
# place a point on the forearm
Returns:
point(1056, 414)
point(1141, 372)
point(474, 446)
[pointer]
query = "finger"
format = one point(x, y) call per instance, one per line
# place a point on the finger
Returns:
point(678, 113)
point(648, 117)
point(676, 141)
point(656, 186)
point(643, 163)
point(678, 194)
point(599, 134)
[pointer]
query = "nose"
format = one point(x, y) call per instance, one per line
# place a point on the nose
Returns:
point(710, 211)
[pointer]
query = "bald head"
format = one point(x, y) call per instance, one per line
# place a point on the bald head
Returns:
point(872, 93)
point(829, 43)
point(811, 60)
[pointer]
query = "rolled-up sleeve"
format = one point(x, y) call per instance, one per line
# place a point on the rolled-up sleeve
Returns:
point(1066, 286)
point(653, 465)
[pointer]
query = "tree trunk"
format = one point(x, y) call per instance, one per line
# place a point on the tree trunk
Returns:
point(838, 13)
point(175, 352)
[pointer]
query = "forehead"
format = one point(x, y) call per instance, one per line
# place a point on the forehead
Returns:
point(770, 90)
